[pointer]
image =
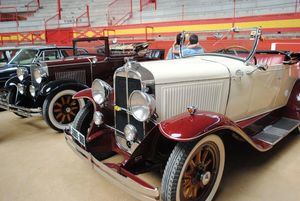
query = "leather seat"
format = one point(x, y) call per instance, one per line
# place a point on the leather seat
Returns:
point(269, 59)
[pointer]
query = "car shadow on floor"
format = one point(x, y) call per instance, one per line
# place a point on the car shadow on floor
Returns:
point(242, 160)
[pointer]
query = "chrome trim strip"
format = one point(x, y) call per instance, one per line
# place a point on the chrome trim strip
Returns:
point(132, 187)
point(27, 112)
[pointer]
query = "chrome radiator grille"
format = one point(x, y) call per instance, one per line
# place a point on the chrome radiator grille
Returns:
point(78, 75)
point(122, 118)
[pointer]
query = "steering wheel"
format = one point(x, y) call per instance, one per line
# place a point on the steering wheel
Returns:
point(234, 49)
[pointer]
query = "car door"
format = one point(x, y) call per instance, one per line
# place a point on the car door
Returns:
point(266, 84)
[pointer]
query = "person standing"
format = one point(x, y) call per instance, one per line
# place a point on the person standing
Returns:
point(193, 48)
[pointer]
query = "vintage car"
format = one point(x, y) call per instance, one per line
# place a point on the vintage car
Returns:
point(170, 117)
point(27, 56)
point(49, 88)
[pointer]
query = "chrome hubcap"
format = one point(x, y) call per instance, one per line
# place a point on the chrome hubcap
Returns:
point(205, 178)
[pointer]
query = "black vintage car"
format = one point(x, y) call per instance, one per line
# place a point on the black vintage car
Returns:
point(48, 90)
point(26, 56)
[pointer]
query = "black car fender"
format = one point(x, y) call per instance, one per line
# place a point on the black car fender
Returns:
point(12, 82)
point(61, 84)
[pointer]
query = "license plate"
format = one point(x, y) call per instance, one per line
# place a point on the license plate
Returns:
point(78, 136)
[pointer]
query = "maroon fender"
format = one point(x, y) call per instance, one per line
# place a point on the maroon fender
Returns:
point(186, 127)
point(86, 93)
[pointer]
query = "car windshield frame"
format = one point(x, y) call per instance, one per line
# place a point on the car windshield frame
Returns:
point(16, 60)
point(255, 36)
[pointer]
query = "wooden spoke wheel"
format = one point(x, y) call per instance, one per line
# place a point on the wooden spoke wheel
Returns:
point(194, 170)
point(65, 109)
point(60, 110)
point(200, 172)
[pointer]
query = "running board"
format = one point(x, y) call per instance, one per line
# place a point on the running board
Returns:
point(275, 132)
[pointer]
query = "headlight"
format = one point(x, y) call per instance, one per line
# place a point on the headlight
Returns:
point(22, 73)
point(142, 105)
point(100, 91)
point(21, 88)
point(37, 76)
point(32, 90)
point(130, 132)
point(40, 71)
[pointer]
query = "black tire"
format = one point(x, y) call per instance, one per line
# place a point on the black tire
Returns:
point(59, 109)
point(82, 123)
point(206, 182)
point(11, 99)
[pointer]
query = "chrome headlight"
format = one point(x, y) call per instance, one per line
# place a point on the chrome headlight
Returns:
point(130, 132)
point(38, 75)
point(100, 91)
point(21, 88)
point(142, 105)
point(22, 73)
point(40, 72)
point(32, 90)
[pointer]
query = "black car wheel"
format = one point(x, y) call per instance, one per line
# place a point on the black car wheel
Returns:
point(59, 109)
point(194, 170)
point(82, 123)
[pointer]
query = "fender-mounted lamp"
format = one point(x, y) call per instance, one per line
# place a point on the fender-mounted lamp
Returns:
point(191, 110)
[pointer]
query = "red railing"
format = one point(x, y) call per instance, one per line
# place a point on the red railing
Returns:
point(144, 3)
point(33, 6)
point(86, 14)
point(46, 21)
point(118, 12)
point(10, 15)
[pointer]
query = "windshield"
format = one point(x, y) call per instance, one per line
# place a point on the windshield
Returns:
point(236, 43)
point(24, 57)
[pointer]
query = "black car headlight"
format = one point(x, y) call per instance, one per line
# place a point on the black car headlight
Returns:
point(22, 73)
point(100, 91)
point(142, 105)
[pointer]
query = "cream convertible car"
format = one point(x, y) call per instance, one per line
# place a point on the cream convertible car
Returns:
point(171, 117)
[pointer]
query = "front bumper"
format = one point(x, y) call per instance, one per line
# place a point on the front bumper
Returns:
point(133, 187)
point(27, 112)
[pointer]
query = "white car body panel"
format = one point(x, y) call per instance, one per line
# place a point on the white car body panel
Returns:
point(220, 84)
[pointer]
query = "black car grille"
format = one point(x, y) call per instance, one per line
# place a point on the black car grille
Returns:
point(122, 118)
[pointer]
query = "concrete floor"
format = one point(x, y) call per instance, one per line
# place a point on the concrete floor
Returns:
point(37, 165)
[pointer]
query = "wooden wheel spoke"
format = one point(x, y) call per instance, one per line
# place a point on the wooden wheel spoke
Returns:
point(204, 156)
point(63, 118)
point(69, 117)
point(194, 190)
point(72, 113)
point(58, 105)
point(207, 163)
point(192, 164)
point(57, 110)
point(73, 102)
point(74, 108)
point(68, 99)
point(58, 116)
point(198, 158)
point(62, 100)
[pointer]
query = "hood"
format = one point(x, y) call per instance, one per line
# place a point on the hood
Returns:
point(186, 69)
